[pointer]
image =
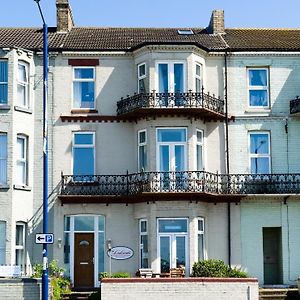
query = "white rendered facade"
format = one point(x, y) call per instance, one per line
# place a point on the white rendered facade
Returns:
point(156, 180)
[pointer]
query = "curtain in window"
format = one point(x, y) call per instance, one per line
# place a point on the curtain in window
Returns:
point(258, 77)
point(77, 94)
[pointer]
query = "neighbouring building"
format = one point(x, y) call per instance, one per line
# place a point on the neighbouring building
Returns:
point(166, 146)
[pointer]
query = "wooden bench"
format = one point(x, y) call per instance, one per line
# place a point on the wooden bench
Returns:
point(145, 273)
point(177, 272)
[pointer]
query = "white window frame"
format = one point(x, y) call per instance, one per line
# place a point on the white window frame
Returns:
point(172, 144)
point(259, 155)
point(172, 236)
point(141, 77)
point(4, 159)
point(25, 84)
point(201, 144)
point(171, 88)
point(3, 247)
point(201, 232)
point(83, 146)
point(83, 80)
point(5, 83)
point(23, 161)
point(143, 233)
point(23, 246)
point(258, 87)
point(198, 77)
point(142, 144)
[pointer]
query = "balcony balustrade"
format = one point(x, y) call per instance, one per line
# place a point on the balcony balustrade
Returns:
point(295, 106)
point(186, 182)
point(201, 105)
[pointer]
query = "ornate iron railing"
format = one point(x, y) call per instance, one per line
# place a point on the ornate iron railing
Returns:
point(180, 182)
point(295, 106)
point(170, 100)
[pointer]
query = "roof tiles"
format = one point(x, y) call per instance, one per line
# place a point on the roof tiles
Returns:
point(129, 39)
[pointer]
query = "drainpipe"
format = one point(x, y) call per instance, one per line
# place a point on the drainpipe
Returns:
point(227, 157)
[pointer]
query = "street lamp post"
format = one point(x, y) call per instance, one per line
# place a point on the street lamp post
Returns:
point(45, 153)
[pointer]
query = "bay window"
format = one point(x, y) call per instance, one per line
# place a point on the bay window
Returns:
point(142, 78)
point(199, 150)
point(198, 77)
point(200, 239)
point(144, 259)
point(142, 150)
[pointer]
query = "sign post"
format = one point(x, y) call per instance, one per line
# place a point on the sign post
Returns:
point(45, 154)
point(44, 238)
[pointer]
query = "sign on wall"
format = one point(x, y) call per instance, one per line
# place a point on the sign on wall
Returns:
point(120, 253)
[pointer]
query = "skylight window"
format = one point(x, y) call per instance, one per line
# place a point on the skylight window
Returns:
point(185, 31)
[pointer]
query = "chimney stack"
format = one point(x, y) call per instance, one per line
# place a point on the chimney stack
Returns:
point(64, 16)
point(216, 24)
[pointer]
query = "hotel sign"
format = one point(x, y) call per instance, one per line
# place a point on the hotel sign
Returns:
point(120, 253)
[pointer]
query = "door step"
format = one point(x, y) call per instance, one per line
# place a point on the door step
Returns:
point(85, 295)
point(278, 294)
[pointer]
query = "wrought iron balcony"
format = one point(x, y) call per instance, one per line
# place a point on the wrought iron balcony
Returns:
point(166, 184)
point(295, 106)
point(200, 105)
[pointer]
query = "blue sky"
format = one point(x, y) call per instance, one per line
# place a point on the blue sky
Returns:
point(156, 13)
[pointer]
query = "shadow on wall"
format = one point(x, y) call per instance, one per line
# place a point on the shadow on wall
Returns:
point(280, 97)
point(35, 225)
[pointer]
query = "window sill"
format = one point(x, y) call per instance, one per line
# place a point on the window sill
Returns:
point(23, 109)
point(266, 110)
point(4, 187)
point(83, 111)
point(22, 187)
point(4, 107)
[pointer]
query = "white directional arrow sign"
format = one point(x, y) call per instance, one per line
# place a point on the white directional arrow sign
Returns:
point(44, 238)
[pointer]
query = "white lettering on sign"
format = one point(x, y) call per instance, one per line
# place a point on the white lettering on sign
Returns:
point(120, 253)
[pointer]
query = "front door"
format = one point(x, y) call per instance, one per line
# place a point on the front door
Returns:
point(272, 255)
point(84, 260)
